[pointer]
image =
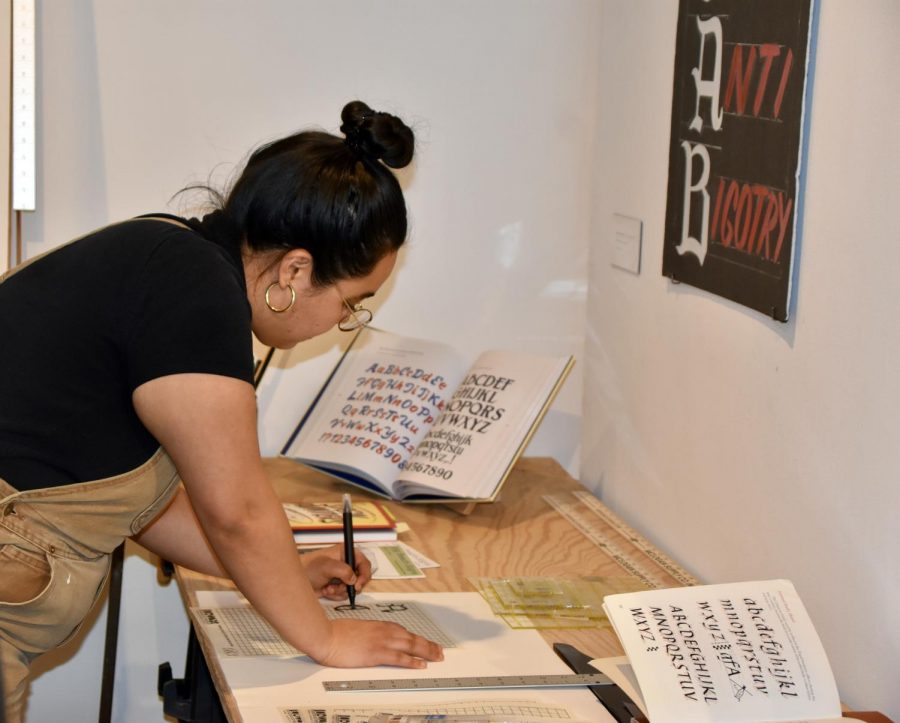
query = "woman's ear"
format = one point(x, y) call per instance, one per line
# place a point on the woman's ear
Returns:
point(295, 268)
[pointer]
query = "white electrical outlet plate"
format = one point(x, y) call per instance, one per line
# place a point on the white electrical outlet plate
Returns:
point(626, 243)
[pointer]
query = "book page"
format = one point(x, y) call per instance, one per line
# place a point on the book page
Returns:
point(378, 405)
point(483, 428)
point(725, 653)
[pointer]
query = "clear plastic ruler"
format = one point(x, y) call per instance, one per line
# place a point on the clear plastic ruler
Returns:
point(23, 106)
point(564, 680)
point(648, 570)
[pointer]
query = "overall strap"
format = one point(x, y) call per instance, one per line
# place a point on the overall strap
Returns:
point(167, 217)
point(28, 262)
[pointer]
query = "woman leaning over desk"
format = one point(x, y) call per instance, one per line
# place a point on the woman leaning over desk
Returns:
point(128, 368)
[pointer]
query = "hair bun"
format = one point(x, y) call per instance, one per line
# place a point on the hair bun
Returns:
point(381, 136)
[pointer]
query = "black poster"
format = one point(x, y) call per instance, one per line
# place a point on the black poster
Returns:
point(734, 153)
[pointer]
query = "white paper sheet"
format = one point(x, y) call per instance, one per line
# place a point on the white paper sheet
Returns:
point(487, 646)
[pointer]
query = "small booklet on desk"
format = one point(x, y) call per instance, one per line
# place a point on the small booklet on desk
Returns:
point(411, 420)
point(730, 653)
point(320, 523)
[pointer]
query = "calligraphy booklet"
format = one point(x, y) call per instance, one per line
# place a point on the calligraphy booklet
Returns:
point(412, 420)
point(323, 522)
point(728, 653)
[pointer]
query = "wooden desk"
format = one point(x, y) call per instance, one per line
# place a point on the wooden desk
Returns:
point(518, 535)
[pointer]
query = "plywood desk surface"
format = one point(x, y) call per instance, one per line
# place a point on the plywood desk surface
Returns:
point(518, 535)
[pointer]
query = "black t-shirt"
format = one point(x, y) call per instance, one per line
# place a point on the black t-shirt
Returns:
point(87, 324)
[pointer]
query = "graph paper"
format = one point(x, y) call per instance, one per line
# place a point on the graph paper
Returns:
point(240, 632)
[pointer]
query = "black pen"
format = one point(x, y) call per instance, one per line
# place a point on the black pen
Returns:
point(349, 556)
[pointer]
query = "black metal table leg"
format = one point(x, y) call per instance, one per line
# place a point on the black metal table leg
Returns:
point(192, 699)
point(112, 633)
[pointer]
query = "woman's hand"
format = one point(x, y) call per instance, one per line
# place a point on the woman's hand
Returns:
point(330, 575)
point(361, 643)
point(365, 643)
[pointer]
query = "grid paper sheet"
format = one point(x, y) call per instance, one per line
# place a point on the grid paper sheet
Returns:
point(240, 632)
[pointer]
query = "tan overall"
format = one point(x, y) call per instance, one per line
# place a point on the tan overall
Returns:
point(55, 546)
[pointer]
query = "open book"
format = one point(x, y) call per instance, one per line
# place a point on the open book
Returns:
point(731, 653)
point(411, 419)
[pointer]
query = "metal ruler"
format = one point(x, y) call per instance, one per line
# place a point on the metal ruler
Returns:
point(565, 680)
point(589, 521)
point(23, 106)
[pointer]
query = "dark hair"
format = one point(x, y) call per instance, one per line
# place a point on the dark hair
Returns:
point(334, 197)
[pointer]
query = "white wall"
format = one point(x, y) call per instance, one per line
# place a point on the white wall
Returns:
point(5, 123)
point(137, 99)
point(746, 448)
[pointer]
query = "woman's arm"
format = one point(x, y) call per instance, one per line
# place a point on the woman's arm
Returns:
point(207, 424)
point(176, 535)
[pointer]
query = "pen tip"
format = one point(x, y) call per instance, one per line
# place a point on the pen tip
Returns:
point(346, 503)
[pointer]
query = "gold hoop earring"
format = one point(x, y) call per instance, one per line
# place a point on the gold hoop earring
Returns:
point(284, 308)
